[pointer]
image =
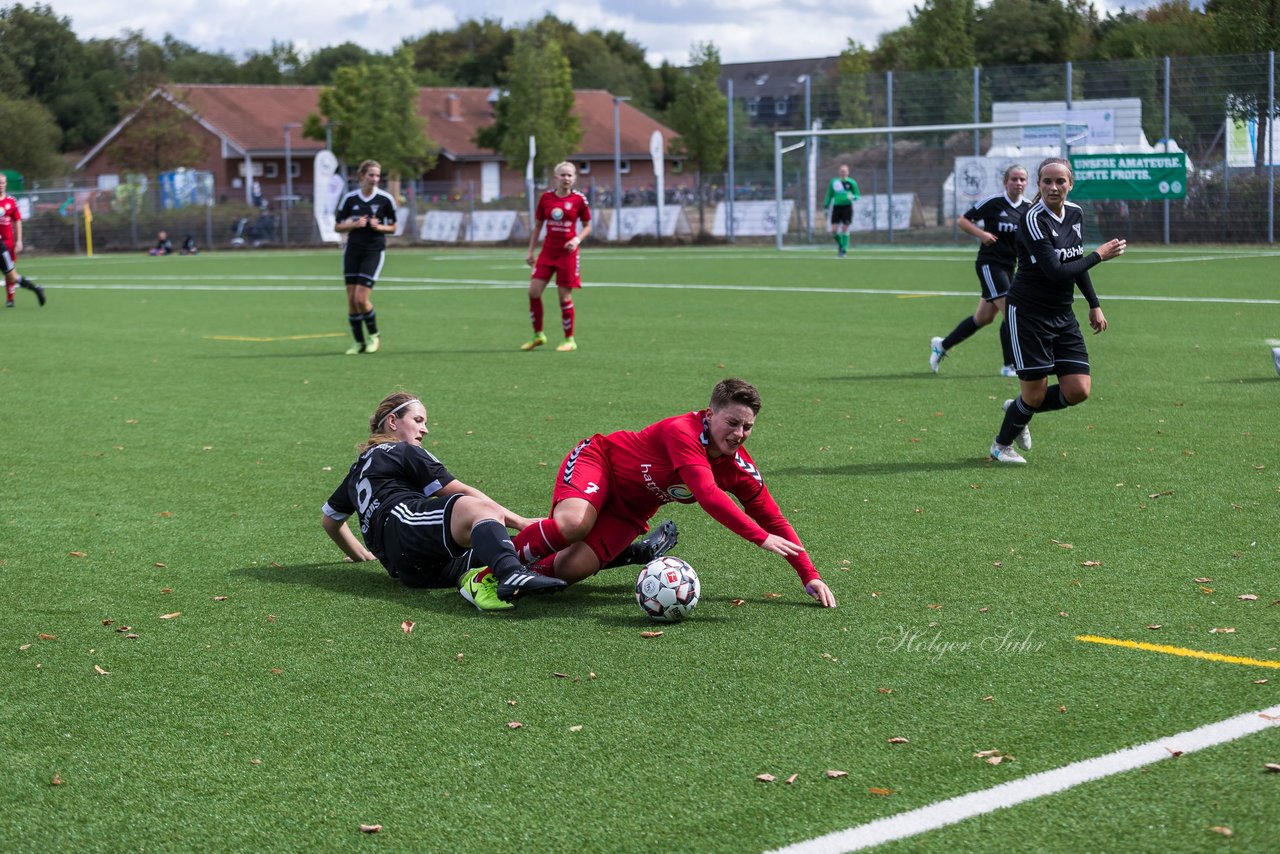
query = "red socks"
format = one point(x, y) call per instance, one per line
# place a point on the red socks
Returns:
point(566, 317)
point(538, 541)
point(535, 313)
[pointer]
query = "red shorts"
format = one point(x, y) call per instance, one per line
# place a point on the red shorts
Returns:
point(565, 268)
point(585, 474)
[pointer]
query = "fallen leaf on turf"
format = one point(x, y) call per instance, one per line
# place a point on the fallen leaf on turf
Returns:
point(275, 565)
point(407, 626)
point(983, 610)
point(276, 671)
point(271, 618)
point(160, 565)
point(514, 725)
point(885, 690)
point(1156, 626)
point(172, 616)
point(25, 646)
point(560, 675)
point(1063, 614)
point(1062, 709)
point(766, 778)
point(165, 589)
point(994, 760)
point(736, 602)
point(897, 739)
point(1247, 597)
point(591, 676)
point(988, 698)
point(131, 636)
point(1267, 717)
point(651, 634)
point(793, 777)
point(1225, 630)
point(876, 790)
point(1092, 563)
point(1202, 580)
point(576, 728)
point(833, 774)
point(123, 629)
point(1206, 589)
point(1062, 545)
point(107, 622)
point(998, 564)
point(1225, 831)
point(77, 554)
point(511, 702)
point(1255, 682)
point(1174, 753)
point(1273, 767)
point(219, 598)
point(1161, 494)
point(255, 761)
point(43, 636)
point(56, 781)
point(935, 607)
point(773, 596)
point(101, 672)
point(458, 657)
point(370, 828)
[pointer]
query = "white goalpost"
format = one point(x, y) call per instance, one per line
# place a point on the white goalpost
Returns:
point(885, 206)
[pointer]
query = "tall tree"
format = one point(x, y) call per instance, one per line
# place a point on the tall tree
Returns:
point(538, 102)
point(319, 67)
point(698, 114)
point(189, 64)
point(33, 152)
point(472, 54)
point(853, 90)
point(372, 109)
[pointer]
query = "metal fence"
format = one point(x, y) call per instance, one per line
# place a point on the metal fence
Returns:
point(1218, 110)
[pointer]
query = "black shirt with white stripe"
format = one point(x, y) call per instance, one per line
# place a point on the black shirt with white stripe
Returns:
point(1002, 218)
point(381, 478)
point(1052, 261)
point(380, 207)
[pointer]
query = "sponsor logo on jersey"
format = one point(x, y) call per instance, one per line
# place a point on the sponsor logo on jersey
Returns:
point(680, 492)
point(591, 488)
point(651, 484)
point(1006, 226)
point(557, 214)
point(1069, 253)
point(1076, 229)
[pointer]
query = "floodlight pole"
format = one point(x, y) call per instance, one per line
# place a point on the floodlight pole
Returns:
point(617, 168)
point(808, 157)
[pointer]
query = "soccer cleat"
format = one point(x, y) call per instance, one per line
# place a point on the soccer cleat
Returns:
point(936, 353)
point(1009, 371)
point(536, 341)
point(375, 343)
point(356, 349)
point(568, 346)
point(480, 588)
point(659, 541)
point(8, 303)
point(1275, 354)
point(1005, 454)
point(523, 582)
point(1023, 439)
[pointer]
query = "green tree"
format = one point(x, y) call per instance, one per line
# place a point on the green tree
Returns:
point(1172, 28)
point(188, 64)
point(279, 64)
point(473, 54)
point(373, 111)
point(319, 67)
point(34, 151)
point(699, 114)
point(1249, 26)
point(159, 137)
point(538, 102)
point(853, 90)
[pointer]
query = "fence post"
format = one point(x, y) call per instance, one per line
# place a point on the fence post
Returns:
point(1167, 67)
point(1271, 148)
point(889, 154)
point(728, 210)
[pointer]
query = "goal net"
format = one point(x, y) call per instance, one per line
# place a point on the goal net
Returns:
point(912, 181)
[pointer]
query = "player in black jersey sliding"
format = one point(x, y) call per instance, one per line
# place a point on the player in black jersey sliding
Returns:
point(1045, 334)
point(994, 222)
point(426, 527)
point(366, 215)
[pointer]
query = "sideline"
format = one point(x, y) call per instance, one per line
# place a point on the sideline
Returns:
point(957, 809)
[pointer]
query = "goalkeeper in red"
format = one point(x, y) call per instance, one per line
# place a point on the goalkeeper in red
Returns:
point(610, 486)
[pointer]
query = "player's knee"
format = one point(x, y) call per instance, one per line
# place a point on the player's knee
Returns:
point(1075, 393)
point(574, 522)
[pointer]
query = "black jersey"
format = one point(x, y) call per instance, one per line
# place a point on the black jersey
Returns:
point(1001, 217)
point(381, 478)
point(380, 207)
point(1052, 261)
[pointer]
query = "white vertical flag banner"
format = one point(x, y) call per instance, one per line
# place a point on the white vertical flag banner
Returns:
point(657, 150)
point(327, 186)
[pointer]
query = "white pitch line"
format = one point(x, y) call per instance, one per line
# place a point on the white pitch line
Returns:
point(957, 809)
point(433, 284)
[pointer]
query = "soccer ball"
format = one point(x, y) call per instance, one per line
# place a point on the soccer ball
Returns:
point(668, 589)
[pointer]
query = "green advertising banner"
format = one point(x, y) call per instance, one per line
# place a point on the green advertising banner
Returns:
point(1129, 176)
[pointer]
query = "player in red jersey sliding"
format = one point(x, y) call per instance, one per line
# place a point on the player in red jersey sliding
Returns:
point(11, 236)
point(560, 210)
point(610, 486)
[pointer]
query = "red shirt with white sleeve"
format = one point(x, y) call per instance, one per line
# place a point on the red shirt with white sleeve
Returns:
point(561, 215)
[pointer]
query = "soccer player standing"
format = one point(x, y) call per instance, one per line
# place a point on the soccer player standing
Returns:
point(366, 215)
point(1046, 335)
point(842, 192)
point(560, 210)
point(610, 486)
point(426, 527)
point(11, 236)
point(994, 221)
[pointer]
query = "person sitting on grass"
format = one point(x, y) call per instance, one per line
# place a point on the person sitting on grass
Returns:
point(164, 246)
point(426, 527)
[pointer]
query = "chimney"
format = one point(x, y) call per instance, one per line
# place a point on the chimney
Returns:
point(453, 107)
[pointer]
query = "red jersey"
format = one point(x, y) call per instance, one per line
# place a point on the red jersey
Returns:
point(561, 215)
point(667, 461)
point(9, 214)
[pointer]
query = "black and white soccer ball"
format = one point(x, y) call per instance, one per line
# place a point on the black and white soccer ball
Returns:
point(668, 589)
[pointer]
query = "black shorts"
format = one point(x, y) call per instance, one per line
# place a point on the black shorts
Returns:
point(417, 547)
point(1046, 345)
point(6, 260)
point(994, 279)
point(841, 214)
point(361, 266)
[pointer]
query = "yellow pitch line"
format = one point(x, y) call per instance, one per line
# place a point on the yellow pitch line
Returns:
point(282, 338)
point(1178, 650)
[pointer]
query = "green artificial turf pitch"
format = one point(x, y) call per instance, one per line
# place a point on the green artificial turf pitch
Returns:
point(174, 425)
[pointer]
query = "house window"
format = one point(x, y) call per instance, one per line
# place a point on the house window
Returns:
point(271, 170)
point(677, 166)
point(584, 167)
point(753, 107)
point(780, 106)
point(624, 167)
point(295, 168)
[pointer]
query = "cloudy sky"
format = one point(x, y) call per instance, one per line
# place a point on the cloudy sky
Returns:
point(743, 30)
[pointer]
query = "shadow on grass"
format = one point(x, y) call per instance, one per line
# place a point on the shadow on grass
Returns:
point(895, 467)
